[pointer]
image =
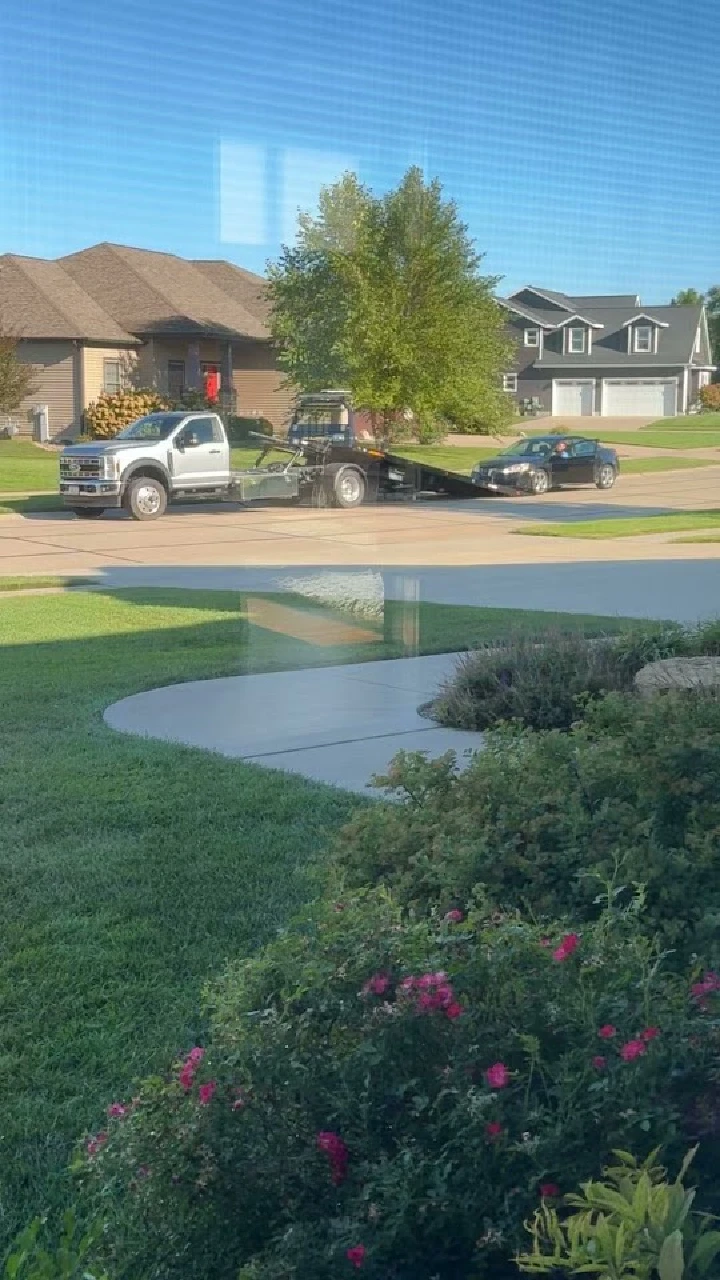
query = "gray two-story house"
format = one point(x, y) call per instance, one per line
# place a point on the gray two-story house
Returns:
point(606, 355)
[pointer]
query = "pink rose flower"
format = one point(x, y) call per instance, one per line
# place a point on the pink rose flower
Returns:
point(633, 1049)
point(94, 1144)
point(549, 1190)
point(494, 1130)
point(607, 1032)
point(206, 1092)
point(569, 943)
point(356, 1255)
point(497, 1076)
point(116, 1110)
point(195, 1055)
point(455, 916)
point(650, 1033)
point(453, 1010)
point(599, 1062)
point(377, 985)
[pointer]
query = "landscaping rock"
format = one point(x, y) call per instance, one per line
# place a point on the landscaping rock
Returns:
point(678, 673)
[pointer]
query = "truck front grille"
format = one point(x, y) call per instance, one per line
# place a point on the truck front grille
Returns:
point(81, 468)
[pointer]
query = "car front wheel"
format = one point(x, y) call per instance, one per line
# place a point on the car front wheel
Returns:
point(540, 483)
point(605, 477)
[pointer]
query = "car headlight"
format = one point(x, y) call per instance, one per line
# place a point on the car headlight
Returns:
point(516, 467)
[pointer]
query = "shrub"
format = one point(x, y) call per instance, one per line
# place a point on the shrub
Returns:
point(636, 786)
point(239, 429)
point(547, 682)
point(112, 411)
point(709, 397)
point(634, 1225)
point(390, 1094)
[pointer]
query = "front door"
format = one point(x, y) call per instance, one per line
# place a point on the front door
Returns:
point(199, 455)
point(581, 461)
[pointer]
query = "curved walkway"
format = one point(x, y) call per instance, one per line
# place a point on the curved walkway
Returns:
point(337, 725)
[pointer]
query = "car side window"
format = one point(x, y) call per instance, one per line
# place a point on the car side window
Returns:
point(582, 449)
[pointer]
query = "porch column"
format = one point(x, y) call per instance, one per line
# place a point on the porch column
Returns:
point(227, 388)
point(194, 377)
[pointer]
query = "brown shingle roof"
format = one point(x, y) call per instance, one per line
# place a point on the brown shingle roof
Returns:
point(152, 293)
point(40, 300)
point(244, 286)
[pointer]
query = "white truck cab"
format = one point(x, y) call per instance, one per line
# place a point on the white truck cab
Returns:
point(160, 457)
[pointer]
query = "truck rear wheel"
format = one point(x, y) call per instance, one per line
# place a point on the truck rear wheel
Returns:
point(349, 487)
point(146, 498)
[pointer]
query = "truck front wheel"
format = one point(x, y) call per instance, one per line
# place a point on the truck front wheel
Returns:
point(349, 487)
point(146, 498)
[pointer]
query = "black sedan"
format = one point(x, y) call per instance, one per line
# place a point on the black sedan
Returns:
point(539, 463)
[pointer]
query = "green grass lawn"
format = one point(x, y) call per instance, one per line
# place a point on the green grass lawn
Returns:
point(646, 466)
point(25, 468)
point(33, 581)
point(695, 421)
point(132, 869)
point(661, 437)
point(625, 527)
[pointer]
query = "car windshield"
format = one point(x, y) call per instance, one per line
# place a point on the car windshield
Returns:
point(528, 449)
point(154, 426)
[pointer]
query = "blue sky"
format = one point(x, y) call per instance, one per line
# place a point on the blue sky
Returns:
point(580, 140)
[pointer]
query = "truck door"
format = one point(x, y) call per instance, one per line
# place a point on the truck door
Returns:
point(201, 457)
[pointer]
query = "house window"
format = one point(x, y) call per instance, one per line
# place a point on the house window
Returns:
point(643, 338)
point(112, 376)
point(703, 378)
point(532, 337)
point(697, 343)
point(510, 382)
point(576, 342)
point(176, 377)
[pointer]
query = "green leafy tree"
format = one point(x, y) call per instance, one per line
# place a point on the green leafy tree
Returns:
point(384, 296)
point(17, 380)
point(687, 298)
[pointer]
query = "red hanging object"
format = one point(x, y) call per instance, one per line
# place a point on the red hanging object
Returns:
point(212, 384)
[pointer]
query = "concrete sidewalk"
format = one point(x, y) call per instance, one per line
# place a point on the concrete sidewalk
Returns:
point(337, 725)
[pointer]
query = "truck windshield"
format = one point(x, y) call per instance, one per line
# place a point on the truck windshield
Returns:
point(155, 426)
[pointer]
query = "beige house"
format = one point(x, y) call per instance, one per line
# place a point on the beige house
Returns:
point(112, 316)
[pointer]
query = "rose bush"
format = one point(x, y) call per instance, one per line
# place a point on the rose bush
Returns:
point(538, 816)
point(392, 1096)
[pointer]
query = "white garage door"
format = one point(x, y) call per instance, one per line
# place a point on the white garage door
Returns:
point(573, 398)
point(630, 397)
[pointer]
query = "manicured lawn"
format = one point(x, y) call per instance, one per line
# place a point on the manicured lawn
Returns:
point(32, 582)
point(131, 869)
point(37, 502)
point(645, 466)
point(663, 437)
point(695, 422)
point(25, 468)
point(625, 527)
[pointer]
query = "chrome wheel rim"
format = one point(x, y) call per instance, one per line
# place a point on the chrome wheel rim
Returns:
point(350, 488)
point(606, 477)
point(540, 483)
point(147, 500)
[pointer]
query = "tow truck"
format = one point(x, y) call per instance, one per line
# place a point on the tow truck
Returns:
point(174, 456)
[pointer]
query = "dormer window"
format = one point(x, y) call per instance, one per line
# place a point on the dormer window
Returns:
point(643, 339)
point(576, 339)
point(532, 337)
